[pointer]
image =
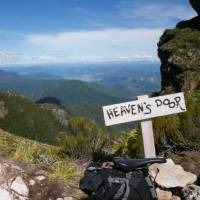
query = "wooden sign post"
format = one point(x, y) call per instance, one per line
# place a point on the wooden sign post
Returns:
point(143, 110)
point(147, 135)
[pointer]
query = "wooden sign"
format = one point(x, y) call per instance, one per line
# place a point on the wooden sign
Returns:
point(144, 108)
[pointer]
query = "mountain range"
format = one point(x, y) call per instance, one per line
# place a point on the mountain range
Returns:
point(83, 90)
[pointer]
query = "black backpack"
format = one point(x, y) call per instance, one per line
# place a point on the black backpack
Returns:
point(127, 180)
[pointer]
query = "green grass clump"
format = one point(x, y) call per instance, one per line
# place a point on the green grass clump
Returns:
point(129, 144)
point(62, 171)
point(84, 138)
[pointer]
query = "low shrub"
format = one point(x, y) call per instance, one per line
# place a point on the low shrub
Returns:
point(129, 144)
point(84, 138)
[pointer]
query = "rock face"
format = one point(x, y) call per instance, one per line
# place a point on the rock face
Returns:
point(179, 51)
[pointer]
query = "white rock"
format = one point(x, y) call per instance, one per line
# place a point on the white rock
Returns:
point(19, 186)
point(40, 178)
point(31, 182)
point(59, 199)
point(4, 194)
point(171, 175)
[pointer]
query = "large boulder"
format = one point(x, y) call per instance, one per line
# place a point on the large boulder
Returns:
point(170, 175)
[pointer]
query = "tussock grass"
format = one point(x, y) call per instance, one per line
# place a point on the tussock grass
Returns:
point(18, 148)
point(63, 171)
point(29, 151)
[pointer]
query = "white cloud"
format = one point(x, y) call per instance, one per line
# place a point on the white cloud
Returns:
point(7, 57)
point(101, 45)
point(157, 14)
point(85, 46)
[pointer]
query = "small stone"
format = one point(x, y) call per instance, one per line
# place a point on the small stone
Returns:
point(4, 194)
point(59, 199)
point(31, 182)
point(19, 186)
point(40, 178)
point(163, 195)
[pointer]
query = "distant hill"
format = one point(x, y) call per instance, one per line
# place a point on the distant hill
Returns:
point(22, 117)
point(49, 100)
point(82, 98)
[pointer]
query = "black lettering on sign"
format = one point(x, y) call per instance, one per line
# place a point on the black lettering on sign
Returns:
point(123, 110)
point(128, 109)
point(140, 108)
point(169, 103)
point(166, 102)
point(110, 113)
point(116, 112)
point(133, 109)
point(172, 104)
point(158, 102)
point(148, 107)
point(178, 100)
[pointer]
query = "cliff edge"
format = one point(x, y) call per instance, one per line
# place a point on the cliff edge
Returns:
point(179, 52)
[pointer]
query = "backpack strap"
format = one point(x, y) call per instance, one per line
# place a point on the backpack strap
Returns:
point(124, 189)
point(151, 187)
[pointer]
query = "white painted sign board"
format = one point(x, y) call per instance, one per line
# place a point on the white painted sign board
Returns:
point(143, 109)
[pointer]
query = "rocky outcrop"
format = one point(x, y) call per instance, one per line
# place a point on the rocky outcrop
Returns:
point(30, 182)
point(191, 192)
point(171, 180)
point(179, 51)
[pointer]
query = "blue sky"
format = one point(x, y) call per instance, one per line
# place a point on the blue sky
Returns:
point(49, 31)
